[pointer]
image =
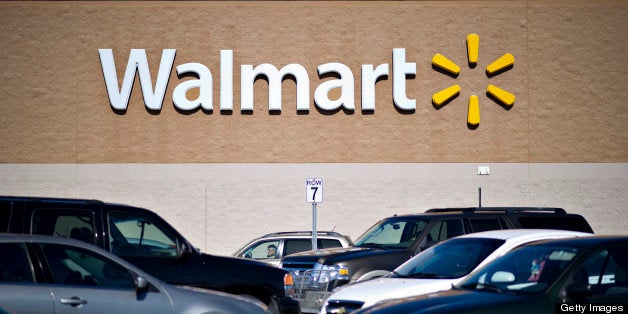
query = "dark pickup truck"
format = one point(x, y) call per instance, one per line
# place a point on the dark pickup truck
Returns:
point(149, 242)
point(394, 240)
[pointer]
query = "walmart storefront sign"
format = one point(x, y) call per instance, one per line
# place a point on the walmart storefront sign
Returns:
point(154, 95)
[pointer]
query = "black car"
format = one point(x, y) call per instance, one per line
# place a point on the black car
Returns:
point(394, 240)
point(550, 276)
point(147, 241)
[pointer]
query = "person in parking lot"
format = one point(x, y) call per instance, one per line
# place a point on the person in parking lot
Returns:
point(272, 251)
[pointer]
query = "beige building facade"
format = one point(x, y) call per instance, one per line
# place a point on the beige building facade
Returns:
point(233, 104)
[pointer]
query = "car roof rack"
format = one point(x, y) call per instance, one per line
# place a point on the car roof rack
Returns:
point(302, 233)
point(44, 200)
point(498, 209)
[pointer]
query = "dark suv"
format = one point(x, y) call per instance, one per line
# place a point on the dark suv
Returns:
point(394, 240)
point(150, 243)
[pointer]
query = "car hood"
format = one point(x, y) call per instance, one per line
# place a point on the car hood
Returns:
point(239, 271)
point(335, 255)
point(375, 290)
point(243, 263)
point(461, 301)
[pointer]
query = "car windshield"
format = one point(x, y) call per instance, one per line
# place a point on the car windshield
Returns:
point(393, 233)
point(451, 259)
point(529, 269)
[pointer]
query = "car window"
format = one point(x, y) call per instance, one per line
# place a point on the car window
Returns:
point(528, 269)
point(396, 232)
point(292, 246)
point(5, 216)
point(442, 230)
point(75, 266)
point(448, 260)
point(263, 250)
point(77, 224)
point(604, 272)
point(328, 243)
point(137, 234)
point(574, 223)
point(15, 265)
point(484, 224)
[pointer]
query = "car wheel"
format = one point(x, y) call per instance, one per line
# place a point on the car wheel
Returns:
point(273, 307)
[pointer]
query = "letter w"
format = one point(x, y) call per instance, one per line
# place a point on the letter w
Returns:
point(119, 98)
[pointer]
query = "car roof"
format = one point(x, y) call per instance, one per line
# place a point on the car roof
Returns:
point(301, 234)
point(523, 233)
point(508, 209)
point(457, 211)
point(588, 241)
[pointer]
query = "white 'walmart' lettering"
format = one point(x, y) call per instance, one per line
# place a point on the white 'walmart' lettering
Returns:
point(153, 99)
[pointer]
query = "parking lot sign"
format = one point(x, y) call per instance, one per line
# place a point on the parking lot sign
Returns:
point(314, 190)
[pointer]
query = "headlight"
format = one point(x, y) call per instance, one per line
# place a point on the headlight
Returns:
point(333, 272)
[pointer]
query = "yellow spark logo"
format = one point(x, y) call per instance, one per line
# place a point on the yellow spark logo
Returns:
point(473, 112)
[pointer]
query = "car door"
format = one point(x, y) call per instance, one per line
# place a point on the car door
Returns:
point(19, 290)
point(149, 243)
point(267, 251)
point(77, 223)
point(603, 273)
point(440, 230)
point(84, 281)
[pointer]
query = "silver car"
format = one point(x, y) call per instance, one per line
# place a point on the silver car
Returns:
point(43, 274)
point(272, 247)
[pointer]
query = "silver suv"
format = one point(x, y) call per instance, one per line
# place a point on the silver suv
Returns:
point(273, 246)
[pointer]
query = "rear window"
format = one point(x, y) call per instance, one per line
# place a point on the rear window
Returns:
point(292, 246)
point(573, 223)
point(329, 243)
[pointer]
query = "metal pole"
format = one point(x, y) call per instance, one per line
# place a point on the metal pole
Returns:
point(480, 196)
point(314, 232)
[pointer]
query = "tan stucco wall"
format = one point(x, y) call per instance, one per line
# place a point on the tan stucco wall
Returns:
point(219, 207)
point(568, 77)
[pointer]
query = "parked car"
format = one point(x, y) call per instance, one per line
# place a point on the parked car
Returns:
point(394, 240)
point(438, 267)
point(544, 277)
point(45, 274)
point(147, 241)
point(286, 243)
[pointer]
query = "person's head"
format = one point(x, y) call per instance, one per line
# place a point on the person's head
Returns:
point(272, 250)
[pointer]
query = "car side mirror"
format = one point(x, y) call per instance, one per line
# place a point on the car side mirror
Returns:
point(184, 250)
point(503, 277)
point(141, 284)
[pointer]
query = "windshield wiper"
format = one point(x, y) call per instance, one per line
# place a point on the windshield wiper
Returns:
point(481, 287)
point(375, 245)
point(426, 275)
point(398, 275)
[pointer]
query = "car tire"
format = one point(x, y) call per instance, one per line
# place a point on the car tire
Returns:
point(273, 307)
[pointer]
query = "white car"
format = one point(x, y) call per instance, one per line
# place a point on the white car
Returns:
point(272, 247)
point(438, 267)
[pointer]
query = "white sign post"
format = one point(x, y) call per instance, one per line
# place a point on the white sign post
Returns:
point(314, 195)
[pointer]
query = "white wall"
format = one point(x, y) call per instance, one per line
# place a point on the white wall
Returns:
point(219, 207)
